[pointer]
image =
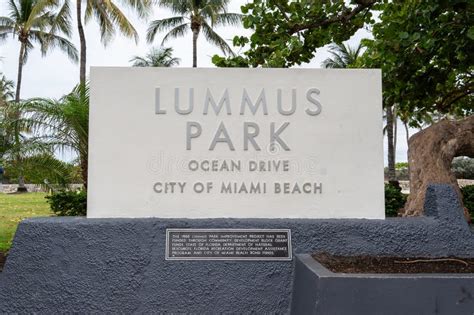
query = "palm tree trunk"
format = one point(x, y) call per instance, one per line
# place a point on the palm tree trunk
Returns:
point(21, 61)
point(395, 134)
point(84, 168)
point(392, 178)
point(82, 38)
point(407, 133)
point(195, 37)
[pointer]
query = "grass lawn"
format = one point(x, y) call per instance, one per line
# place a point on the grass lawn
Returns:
point(16, 207)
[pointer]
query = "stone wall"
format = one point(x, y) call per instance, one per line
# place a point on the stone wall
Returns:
point(11, 188)
point(79, 265)
point(405, 184)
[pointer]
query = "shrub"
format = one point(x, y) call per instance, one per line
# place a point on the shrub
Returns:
point(68, 203)
point(401, 165)
point(394, 200)
point(468, 199)
point(400, 173)
point(463, 167)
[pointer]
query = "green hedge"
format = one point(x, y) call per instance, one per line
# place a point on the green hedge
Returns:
point(68, 203)
point(468, 199)
point(394, 200)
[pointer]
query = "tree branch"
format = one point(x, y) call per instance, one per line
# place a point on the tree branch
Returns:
point(454, 96)
point(345, 16)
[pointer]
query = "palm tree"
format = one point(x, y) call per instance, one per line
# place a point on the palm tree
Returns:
point(157, 57)
point(109, 16)
point(6, 96)
point(343, 56)
point(35, 21)
point(6, 91)
point(17, 142)
point(195, 15)
point(62, 124)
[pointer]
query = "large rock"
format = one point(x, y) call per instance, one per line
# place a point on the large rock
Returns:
point(430, 154)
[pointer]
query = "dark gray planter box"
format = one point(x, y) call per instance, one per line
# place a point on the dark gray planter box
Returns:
point(316, 290)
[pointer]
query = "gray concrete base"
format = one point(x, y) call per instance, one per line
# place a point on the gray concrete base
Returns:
point(316, 290)
point(64, 265)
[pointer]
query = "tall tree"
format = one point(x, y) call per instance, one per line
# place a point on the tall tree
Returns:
point(109, 17)
point(37, 21)
point(391, 131)
point(423, 48)
point(156, 57)
point(342, 56)
point(197, 16)
point(33, 21)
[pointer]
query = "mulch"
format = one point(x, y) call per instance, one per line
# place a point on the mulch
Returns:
point(370, 264)
point(3, 257)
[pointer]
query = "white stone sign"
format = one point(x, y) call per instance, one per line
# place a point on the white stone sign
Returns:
point(242, 143)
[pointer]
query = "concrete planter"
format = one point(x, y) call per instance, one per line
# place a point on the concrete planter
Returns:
point(316, 290)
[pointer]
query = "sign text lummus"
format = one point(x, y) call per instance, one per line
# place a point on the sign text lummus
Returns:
point(251, 129)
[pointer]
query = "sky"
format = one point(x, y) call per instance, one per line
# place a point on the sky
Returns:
point(55, 75)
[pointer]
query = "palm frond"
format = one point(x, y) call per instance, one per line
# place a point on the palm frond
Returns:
point(14, 12)
point(342, 56)
point(140, 62)
point(162, 25)
point(62, 124)
point(176, 32)
point(157, 57)
point(215, 39)
point(6, 22)
point(121, 21)
point(225, 19)
point(6, 91)
point(49, 41)
point(96, 8)
point(177, 6)
point(61, 21)
point(142, 7)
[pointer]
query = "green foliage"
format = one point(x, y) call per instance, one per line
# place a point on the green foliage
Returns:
point(62, 124)
point(401, 165)
point(19, 147)
point(468, 199)
point(394, 200)
point(197, 16)
point(401, 171)
point(423, 48)
point(110, 17)
point(42, 169)
point(68, 203)
point(287, 33)
point(400, 174)
point(235, 62)
point(34, 21)
point(6, 90)
point(463, 167)
point(157, 57)
point(342, 56)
